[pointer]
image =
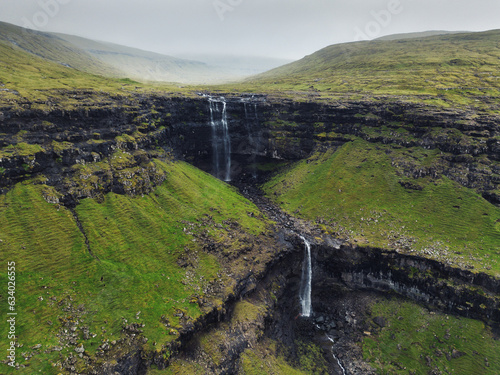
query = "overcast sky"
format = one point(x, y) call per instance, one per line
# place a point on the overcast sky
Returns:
point(276, 28)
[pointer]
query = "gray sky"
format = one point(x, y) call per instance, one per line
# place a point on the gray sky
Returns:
point(275, 28)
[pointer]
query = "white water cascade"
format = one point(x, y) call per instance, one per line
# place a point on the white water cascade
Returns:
point(335, 357)
point(305, 284)
point(221, 142)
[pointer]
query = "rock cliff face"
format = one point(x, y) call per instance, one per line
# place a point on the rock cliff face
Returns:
point(345, 278)
point(92, 150)
point(449, 289)
point(260, 129)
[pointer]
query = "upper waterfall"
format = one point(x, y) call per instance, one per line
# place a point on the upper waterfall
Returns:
point(221, 140)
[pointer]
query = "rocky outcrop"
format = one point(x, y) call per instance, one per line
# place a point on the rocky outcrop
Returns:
point(95, 149)
point(260, 129)
point(423, 280)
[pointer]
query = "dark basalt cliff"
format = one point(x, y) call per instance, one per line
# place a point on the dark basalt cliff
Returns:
point(345, 277)
point(258, 128)
point(59, 143)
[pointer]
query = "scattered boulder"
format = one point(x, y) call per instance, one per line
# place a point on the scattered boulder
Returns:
point(380, 321)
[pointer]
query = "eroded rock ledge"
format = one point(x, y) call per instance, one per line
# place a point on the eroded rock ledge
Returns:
point(54, 142)
point(349, 277)
point(423, 280)
point(155, 127)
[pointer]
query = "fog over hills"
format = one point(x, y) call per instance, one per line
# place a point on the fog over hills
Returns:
point(239, 65)
point(117, 61)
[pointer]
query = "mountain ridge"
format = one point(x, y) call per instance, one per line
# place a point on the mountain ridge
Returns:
point(109, 59)
point(448, 70)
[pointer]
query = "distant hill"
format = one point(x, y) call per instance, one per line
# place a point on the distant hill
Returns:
point(109, 60)
point(36, 68)
point(423, 34)
point(54, 49)
point(143, 65)
point(463, 65)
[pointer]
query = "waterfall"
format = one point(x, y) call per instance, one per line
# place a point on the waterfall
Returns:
point(305, 287)
point(215, 143)
point(336, 358)
point(221, 141)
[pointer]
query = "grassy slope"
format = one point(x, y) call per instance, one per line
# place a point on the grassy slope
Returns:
point(355, 193)
point(106, 59)
point(456, 68)
point(53, 49)
point(32, 77)
point(147, 66)
point(418, 341)
point(138, 241)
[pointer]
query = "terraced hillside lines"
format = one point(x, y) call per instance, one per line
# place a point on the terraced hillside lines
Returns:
point(152, 277)
point(49, 251)
point(414, 340)
point(24, 76)
point(29, 222)
point(357, 194)
point(53, 49)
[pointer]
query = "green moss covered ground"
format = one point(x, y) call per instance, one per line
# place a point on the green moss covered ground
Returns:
point(267, 358)
point(443, 70)
point(418, 341)
point(146, 266)
point(356, 193)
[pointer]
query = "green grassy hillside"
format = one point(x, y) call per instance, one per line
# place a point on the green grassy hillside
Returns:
point(147, 66)
point(24, 76)
point(53, 49)
point(146, 265)
point(457, 68)
point(356, 193)
point(418, 341)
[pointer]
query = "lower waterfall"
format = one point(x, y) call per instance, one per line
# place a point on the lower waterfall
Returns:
point(335, 357)
point(305, 284)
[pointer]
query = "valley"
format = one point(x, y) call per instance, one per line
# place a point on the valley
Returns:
point(159, 229)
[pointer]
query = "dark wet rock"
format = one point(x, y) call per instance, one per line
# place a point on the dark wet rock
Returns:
point(259, 128)
point(457, 354)
point(344, 275)
point(380, 321)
